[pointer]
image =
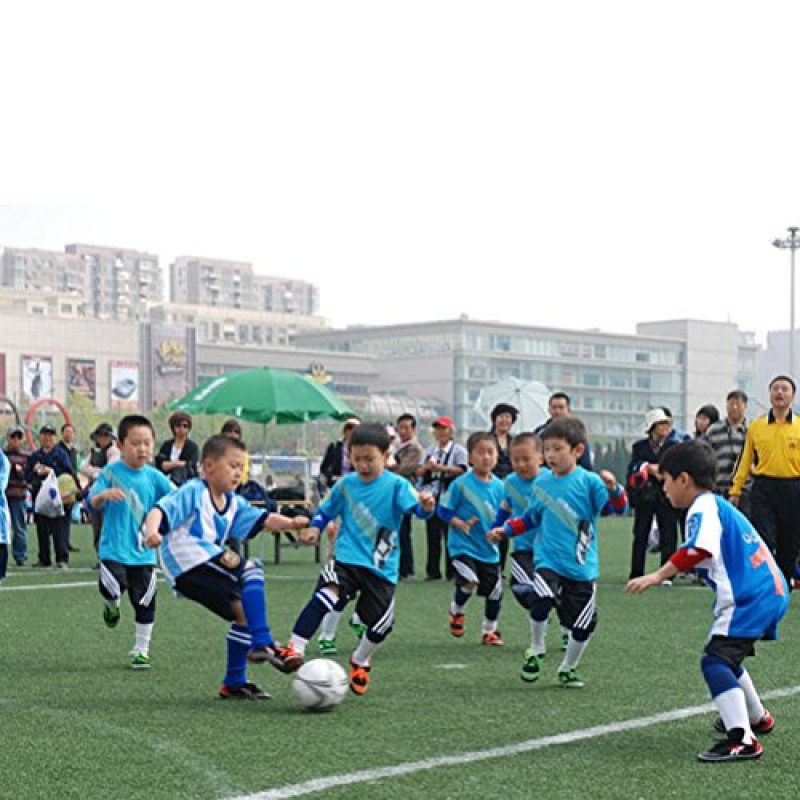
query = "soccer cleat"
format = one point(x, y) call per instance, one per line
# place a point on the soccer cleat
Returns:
point(358, 627)
point(764, 725)
point(359, 678)
point(111, 616)
point(732, 749)
point(140, 661)
point(327, 647)
point(531, 668)
point(457, 625)
point(284, 659)
point(247, 691)
point(564, 642)
point(570, 679)
point(493, 639)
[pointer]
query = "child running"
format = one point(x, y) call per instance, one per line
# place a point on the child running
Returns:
point(370, 503)
point(193, 527)
point(126, 490)
point(469, 507)
point(751, 595)
point(565, 507)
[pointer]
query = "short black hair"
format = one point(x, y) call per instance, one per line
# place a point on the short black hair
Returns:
point(526, 438)
point(695, 458)
point(407, 418)
point(784, 378)
point(179, 416)
point(371, 433)
point(217, 445)
point(709, 410)
point(570, 429)
point(560, 396)
point(737, 394)
point(67, 425)
point(133, 421)
point(476, 438)
point(231, 426)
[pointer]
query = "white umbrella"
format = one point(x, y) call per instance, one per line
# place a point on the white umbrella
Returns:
point(528, 397)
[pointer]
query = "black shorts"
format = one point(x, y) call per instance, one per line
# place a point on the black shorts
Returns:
point(213, 585)
point(730, 649)
point(139, 581)
point(575, 601)
point(522, 575)
point(375, 604)
point(488, 576)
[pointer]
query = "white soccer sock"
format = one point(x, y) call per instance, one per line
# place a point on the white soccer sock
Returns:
point(755, 708)
point(488, 626)
point(363, 653)
point(538, 635)
point(732, 708)
point(143, 634)
point(573, 654)
point(330, 624)
point(299, 643)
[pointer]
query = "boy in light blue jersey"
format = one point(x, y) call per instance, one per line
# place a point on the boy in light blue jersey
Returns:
point(126, 490)
point(565, 507)
point(193, 527)
point(370, 503)
point(469, 507)
point(752, 595)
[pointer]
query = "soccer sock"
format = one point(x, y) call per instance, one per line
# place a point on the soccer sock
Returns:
point(755, 708)
point(573, 654)
point(143, 634)
point(330, 624)
point(492, 611)
point(254, 601)
point(239, 642)
point(363, 653)
point(733, 710)
point(538, 634)
point(321, 602)
point(459, 601)
point(298, 643)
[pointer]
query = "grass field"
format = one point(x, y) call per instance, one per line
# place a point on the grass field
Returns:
point(77, 722)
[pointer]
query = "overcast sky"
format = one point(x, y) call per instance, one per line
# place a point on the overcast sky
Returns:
point(570, 164)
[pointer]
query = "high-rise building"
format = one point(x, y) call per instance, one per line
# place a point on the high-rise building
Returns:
point(49, 271)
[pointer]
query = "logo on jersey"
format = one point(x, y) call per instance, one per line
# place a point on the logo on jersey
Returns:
point(693, 525)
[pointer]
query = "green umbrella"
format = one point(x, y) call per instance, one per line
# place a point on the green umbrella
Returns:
point(262, 395)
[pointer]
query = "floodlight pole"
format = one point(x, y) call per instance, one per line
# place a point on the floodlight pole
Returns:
point(791, 243)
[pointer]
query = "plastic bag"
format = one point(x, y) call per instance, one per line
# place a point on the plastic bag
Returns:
point(48, 501)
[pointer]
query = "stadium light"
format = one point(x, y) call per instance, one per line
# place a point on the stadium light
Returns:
point(791, 243)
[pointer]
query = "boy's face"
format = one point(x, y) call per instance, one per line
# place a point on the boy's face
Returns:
point(367, 460)
point(679, 490)
point(136, 449)
point(560, 456)
point(224, 474)
point(483, 458)
point(526, 459)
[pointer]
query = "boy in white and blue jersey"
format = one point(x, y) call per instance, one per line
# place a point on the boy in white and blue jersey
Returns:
point(565, 507)
point(752, 596)
point(469, 507)
point(5, 517)
point(193, 527)
point(370, 503)
point(126, 490)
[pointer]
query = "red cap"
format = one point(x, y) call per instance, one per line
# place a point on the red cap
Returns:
point(443, 422)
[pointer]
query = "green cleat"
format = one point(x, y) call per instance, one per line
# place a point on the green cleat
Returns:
point(111, 616)
point(327, 647)
point(531, 668)
point(358, 627)
point(570, 680)
point(140, 661)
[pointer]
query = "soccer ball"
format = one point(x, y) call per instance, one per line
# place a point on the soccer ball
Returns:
point(320, 685)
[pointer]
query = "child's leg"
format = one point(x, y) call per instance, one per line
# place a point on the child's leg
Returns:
point(726, 691)
point(542, 602)
point(254, 603)
point(110, 582)
point(239, 643)
point(330, 622)
point(466, 582)
point(491, 586)
point(3, 560)
point(375, 607)
point(323, 601)
point(577, 612)
point(142, 594)
point(755, 708)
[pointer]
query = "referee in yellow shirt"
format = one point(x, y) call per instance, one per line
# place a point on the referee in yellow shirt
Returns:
point(772, 455)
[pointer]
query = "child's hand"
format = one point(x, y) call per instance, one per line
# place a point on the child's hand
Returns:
point(608, 479)
point(114, 495)
point(153, 539)
point(495, 535)
point(642, 584)
point(427, 501)
point(309, 536)
point(298, 523)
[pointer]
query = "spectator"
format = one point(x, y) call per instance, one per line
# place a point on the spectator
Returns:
point(726, 439)
point(336, 461)
point(178, 457)
point(503, 418)
point(5, 519)
point(559, 405)
point(646, 492)
point(16, 492)
point(103, 452)
point(68, 444)
point(705, 417)
point(407, 458)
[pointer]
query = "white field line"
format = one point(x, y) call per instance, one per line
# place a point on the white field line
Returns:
point(367, 775)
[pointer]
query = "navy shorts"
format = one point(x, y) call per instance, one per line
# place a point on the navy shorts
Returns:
point(375, 604)
point(730, 649)
point(138, 580)
point(575, 601)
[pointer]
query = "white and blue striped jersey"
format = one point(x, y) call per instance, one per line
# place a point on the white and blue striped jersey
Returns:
point(467, 497)
point(195, 530)
point(122, 534)
point(5, 519)
point(751, 592)
point(518, 494)
point(371, 514)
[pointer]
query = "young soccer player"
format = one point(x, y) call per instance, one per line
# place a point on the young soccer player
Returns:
point(370, 503)
point(751, 595)
point(469, 507)
point(565, 507)
point(126, 490)
point(193, 526)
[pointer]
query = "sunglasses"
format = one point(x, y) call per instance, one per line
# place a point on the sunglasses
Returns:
point(182, 425)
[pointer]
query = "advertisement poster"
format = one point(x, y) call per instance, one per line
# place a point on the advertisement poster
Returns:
point(2, 374)
point(124, 385)
point(82, 377)
point(171, 361)
point(37, 377)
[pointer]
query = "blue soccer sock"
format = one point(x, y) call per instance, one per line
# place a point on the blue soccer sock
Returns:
point(254, 601)
point(239, 642)
point(321, 602)
point(460, 599)
point(492, 610)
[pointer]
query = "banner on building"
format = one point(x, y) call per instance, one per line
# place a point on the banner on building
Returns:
point(124, 385)
point(2, 374)
point(37, 377)
point(82, 377)
point(170, 362)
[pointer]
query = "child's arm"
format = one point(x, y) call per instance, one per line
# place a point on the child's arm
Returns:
point(105, 496)
point(617, 499)
point(319, 522)
point(280, 522)
point(449, 516)
point(683, 560)
point(511, 528)
point(152, 526)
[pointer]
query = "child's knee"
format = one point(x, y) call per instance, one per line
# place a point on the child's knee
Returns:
point(718, 673)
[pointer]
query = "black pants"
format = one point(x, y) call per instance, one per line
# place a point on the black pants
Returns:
point(667, 518)
point(57, 529)
point(436, 531)
point(775, 513)
point(406, 547)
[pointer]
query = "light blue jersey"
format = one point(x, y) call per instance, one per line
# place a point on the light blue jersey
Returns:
point(518, 495)
point(752, 595)
point(5, 519)
point(468, 497)
point(195, 530)
point(371, 513)
point(122, 535)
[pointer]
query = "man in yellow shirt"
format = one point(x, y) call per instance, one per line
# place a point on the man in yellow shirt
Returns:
point(772, 455)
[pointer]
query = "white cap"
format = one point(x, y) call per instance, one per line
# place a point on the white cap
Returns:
point(653, 417)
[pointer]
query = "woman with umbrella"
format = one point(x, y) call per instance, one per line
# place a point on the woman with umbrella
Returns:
point(503, 416)
point(178, 457)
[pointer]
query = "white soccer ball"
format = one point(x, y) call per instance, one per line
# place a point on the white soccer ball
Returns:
point(320, 685)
